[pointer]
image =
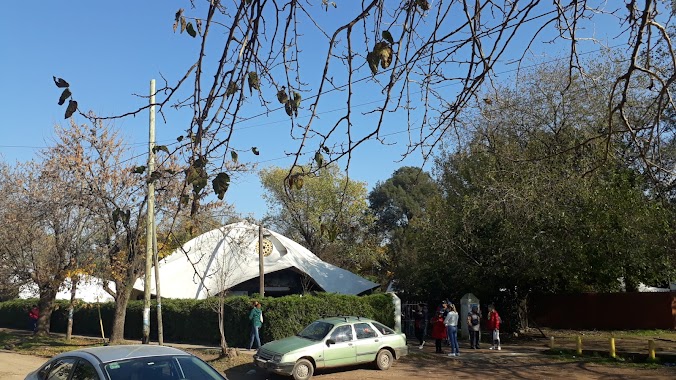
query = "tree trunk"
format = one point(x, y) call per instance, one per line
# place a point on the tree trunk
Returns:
point(73, 290)
point(630, 284)
point(46, 306)
point(221, 327)
point(121, 301)
point(522, 313)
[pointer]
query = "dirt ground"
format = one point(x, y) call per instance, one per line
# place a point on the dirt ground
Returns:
point(483, 364)
point(16, 367)
point(519, 359)
point(507, 364)
point(522, 359)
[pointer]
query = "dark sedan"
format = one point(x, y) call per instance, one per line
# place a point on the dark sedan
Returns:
point(130, 362)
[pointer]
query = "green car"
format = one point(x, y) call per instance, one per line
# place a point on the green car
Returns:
point(332, 342)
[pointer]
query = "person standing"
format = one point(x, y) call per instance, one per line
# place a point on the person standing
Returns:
point(444, 308)
point(426, 318)
point(438, 331)
point(419, 322)
point(256, 319)
point(451, 322)
point(33, 316)
point(494, 325)
point(473, 323)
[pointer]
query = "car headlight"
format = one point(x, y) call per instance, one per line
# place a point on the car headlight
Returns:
point(276, 358)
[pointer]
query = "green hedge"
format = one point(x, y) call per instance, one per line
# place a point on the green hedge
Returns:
point(195, 321)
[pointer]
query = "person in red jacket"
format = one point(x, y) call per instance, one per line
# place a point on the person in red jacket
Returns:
point(494, 325)
point(438, 330)
point(33, 316)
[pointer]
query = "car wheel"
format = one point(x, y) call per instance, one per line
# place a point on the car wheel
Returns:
point(384, 360)
point(303, 370)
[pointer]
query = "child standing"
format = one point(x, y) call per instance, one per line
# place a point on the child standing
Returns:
point(494, 325)
point(438, 331)
point(473, 323)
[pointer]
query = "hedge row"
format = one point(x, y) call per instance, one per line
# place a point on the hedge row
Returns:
point(196, 321)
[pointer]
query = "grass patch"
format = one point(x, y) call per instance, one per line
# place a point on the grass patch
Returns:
point(603, 358)
point(45, 346)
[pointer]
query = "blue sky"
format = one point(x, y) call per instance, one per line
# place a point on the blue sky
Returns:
point(108, 51)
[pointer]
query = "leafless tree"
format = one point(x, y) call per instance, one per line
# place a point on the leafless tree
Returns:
point(48, 230)
point(216, 269)
point(114, 193)
point(423, 61)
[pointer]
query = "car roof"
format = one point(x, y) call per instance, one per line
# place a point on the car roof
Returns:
point(107, 354)
point(345, 319)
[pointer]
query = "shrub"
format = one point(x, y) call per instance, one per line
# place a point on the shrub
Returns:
point(195, 321)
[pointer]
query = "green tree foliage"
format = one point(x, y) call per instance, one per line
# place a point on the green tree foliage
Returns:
point(396, 202)
point(402, 197)
point(537, 203)
point(328, 214)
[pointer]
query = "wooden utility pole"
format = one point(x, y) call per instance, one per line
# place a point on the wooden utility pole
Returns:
point(261, 284)
point(71, 307)
point(150, 218)
point(160, 328)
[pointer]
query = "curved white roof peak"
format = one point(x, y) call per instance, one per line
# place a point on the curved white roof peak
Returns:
point(224, 257)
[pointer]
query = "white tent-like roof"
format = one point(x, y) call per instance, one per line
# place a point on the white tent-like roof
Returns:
point(89, 289)
point(222, 258)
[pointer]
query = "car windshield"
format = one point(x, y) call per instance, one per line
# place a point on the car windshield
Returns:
point(161, 368)
point(316, 330)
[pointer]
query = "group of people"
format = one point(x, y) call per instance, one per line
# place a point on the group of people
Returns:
point(445, 326)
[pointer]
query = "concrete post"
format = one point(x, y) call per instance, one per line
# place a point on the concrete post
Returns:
point(397, 311)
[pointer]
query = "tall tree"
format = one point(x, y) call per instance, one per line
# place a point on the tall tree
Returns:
point(325, 211)
point(56, 229)
point(115, 193)
point(402, 197)
point(528, 208)
point(396, 202)
point(11, 278)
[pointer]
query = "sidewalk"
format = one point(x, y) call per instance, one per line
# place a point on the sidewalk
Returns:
point(189, 346)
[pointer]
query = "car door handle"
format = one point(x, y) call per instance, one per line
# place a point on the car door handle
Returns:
point(349, 344)
point(377, 340)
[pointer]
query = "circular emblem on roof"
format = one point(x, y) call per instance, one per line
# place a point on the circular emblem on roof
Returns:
point(267, 247)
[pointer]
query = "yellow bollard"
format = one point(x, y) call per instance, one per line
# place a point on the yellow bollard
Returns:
point(651, 350)
point(551, 342)
point(579, 345)
point(612, 348)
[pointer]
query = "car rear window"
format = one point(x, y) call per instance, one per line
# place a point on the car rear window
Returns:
point(196, 369)
point(317, 330)
point(383, 329)
point(154, 368)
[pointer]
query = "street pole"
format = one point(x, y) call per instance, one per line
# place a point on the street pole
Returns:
point(158, 296)
point(150, 218)
point(261, 284)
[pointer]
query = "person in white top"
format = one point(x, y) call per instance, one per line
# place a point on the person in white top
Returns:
point(451, 322)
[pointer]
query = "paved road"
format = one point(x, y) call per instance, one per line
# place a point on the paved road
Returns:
point(16, 367)
point(471, 365)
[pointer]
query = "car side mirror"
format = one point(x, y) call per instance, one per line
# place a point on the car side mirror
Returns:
point(330, 342)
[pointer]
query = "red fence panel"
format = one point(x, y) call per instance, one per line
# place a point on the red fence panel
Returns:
point(605, 311)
